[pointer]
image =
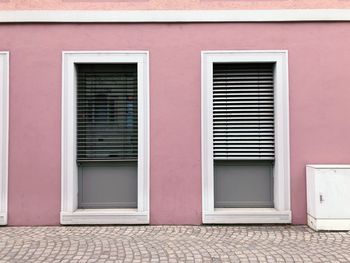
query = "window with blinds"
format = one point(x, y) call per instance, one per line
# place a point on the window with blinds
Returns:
point(106, 112)
point(243, 111)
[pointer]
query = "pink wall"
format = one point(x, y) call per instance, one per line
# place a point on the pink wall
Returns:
point(319, 105)
point(173, 4)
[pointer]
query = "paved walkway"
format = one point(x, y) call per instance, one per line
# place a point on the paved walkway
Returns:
point(172, 244)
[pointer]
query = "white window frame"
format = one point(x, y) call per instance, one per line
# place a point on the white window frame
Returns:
point(70, 214)
point(4, 134)
point(281, 212)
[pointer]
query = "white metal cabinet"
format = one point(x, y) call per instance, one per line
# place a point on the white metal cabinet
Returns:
point(328, 197)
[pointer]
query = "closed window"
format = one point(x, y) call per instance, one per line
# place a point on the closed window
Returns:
point(107, 112)
point(105, 140)
point(243, 133)
point(245, 139)
point(107, 135)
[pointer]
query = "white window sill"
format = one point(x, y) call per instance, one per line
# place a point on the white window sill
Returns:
point(104, 216)
point(247, 216)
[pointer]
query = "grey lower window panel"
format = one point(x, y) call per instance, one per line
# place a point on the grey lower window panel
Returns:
point(107, 185)
point(243, 184)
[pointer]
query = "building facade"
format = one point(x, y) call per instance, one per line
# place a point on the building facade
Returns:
point(169, 112)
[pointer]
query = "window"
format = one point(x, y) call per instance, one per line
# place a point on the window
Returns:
point(245, 137)
point(107, 112)
point(107, 135)
point(243, 134)
point(105, 144)
point(4, 100)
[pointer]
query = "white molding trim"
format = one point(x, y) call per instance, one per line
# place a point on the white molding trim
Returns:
point(104, 217)
point(183, 16)
point(247, 216)
point(281, 167)
point(4, 134)
point(70, 214)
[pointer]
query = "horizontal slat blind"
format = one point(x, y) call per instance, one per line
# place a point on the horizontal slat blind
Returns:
point(106, 112)
point(243, 111)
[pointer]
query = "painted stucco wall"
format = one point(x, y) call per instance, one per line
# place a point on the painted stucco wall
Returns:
point(319, 105)
point(173, 4)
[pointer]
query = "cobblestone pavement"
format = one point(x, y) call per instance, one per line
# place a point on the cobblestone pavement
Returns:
point(172, 244)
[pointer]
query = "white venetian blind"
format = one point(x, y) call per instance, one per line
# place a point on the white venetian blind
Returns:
point(106, 112)
point(243, 111)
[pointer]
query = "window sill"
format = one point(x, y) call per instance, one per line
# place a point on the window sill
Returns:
point(104, 217)
point(247, 216)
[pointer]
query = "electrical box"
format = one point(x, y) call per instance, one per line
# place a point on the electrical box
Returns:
point(328, 197)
